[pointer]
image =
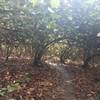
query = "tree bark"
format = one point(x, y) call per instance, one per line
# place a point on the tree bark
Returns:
point(38, 56)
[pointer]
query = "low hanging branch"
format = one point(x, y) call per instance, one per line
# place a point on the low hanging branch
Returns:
point(59, 39)
point(54, 41)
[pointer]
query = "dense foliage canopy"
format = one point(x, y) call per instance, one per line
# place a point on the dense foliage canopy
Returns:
point(39, 27)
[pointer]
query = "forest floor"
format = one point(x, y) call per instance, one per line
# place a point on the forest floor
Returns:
point(22, 81)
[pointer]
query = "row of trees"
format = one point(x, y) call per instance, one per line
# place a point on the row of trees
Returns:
point(36, 26)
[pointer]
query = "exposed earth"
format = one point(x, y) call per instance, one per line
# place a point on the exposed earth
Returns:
point(47, 82)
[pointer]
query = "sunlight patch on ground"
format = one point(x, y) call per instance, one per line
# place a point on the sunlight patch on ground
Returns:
point(53, 64)
point(28, 58)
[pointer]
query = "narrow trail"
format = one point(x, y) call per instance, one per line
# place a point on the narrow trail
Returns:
point(65, 88)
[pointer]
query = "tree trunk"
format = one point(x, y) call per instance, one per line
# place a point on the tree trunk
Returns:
point(88, 59)
point(62, 60)
point(37, 61)
point(9, 51)
point(38, 57)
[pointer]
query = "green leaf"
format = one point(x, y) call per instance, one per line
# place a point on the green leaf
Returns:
point(35, 2)
point(10, 88)
point(55, 3)
point(2, 93)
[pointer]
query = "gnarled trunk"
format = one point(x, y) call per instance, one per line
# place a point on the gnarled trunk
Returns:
point(38, 56)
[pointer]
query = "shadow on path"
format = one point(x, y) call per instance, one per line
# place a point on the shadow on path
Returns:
point(64, 89)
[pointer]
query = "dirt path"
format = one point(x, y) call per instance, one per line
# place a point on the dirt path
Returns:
point(65, 88)
point(58, 73)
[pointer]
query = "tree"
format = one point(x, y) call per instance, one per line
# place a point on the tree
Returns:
point(41, 24)
point(38, 29)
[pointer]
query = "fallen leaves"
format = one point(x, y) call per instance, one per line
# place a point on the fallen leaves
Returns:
point(85, 86)
point(28, 82)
